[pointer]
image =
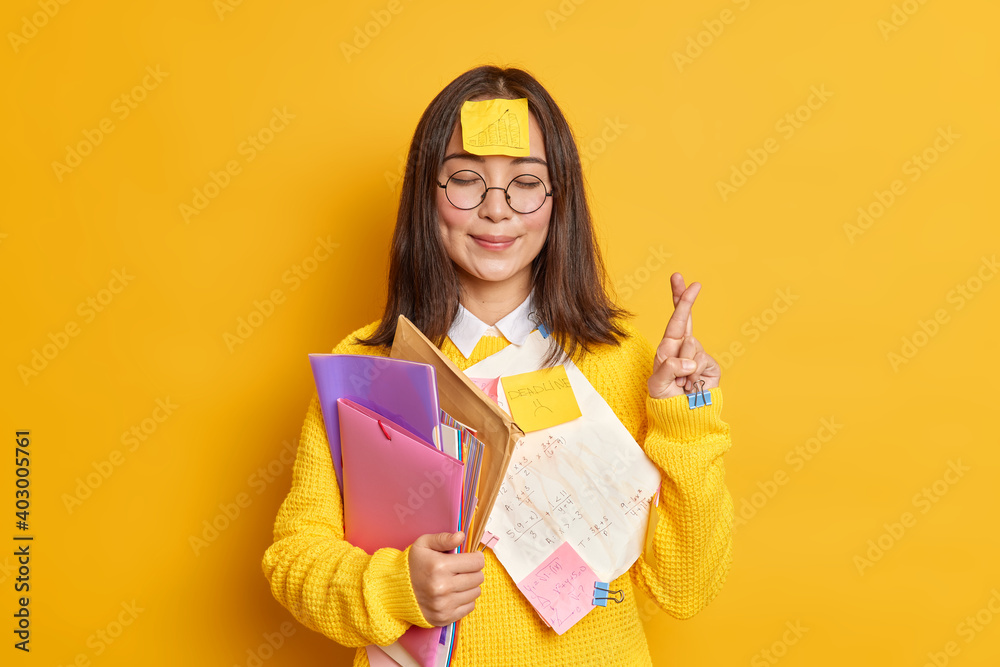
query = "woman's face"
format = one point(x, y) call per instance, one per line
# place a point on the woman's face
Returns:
point(492, 245)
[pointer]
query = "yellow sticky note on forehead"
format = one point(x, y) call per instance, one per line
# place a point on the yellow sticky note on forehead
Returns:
point(540, 399)
point(496, 127)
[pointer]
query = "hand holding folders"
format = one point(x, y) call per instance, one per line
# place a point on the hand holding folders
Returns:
point(387, 425)
point(446, 584)
point(398, 488)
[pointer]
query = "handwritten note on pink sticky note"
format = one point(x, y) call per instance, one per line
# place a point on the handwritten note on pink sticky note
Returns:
point(488, 385)
point(561, 589)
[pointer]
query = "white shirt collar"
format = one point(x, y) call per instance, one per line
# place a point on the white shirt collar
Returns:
point(467, 329)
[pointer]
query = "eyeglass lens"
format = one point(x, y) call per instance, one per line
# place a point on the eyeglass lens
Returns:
point(466, 189)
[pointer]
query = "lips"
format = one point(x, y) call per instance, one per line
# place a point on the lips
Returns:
point(494, 243)
point(494, 239)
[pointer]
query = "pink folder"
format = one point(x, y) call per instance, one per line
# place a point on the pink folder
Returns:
point(396, 488)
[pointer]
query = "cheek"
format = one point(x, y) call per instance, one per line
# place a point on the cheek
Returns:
point(451, 230)
point(452, 224)
point(539, 227)
point(450, 219)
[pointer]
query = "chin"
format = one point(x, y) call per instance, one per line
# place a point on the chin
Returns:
point(492, 276)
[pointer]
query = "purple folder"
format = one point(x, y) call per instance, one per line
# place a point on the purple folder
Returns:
point(403, 391)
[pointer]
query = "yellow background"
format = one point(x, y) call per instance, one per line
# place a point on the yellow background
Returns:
point(658, 134)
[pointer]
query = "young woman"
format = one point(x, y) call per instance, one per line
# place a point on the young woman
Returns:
point(484, 249)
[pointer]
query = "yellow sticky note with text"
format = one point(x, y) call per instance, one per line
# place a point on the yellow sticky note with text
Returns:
point(496, 127)
point(540, 399)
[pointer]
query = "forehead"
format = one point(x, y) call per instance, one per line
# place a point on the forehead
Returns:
point(536, 142)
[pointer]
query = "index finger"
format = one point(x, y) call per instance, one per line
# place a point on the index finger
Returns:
point(463, 563)
point(677, 324)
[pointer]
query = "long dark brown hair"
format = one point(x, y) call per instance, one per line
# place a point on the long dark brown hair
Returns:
point(568, 275)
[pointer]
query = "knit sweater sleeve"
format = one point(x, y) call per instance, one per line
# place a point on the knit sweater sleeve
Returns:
point(686, 564)
point(328, 584)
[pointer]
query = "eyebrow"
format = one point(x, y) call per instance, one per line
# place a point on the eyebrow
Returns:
point(528, 159)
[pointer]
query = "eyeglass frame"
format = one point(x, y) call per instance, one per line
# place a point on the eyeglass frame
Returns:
point(548, 193)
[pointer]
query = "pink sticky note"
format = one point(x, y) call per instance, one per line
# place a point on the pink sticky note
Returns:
point(488, 385)
point(561, 589)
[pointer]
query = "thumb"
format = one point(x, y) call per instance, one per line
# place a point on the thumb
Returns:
point(440, 541)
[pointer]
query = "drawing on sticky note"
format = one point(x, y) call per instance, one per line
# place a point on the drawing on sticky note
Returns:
point(503, 131)
point(541, 399)
point(496, 127)
point(538, 406)
point(561, 588)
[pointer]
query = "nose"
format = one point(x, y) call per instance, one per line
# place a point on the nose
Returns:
point(495, 207)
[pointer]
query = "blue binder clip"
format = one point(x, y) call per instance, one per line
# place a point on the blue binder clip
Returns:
point(602, 594)
point(700, 397)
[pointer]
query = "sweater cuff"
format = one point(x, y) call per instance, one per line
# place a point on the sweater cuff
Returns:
point(399, 599)
point(679, 423)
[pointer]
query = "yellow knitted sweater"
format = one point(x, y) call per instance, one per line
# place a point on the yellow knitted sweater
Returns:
point(355, 599)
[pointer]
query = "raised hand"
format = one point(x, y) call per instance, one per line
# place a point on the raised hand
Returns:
point(680, 361)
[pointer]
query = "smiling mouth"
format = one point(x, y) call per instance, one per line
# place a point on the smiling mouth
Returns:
point(494, 239)
point(491, 242)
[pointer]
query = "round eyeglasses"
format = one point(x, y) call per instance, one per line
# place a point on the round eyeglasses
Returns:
point(466, 190)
